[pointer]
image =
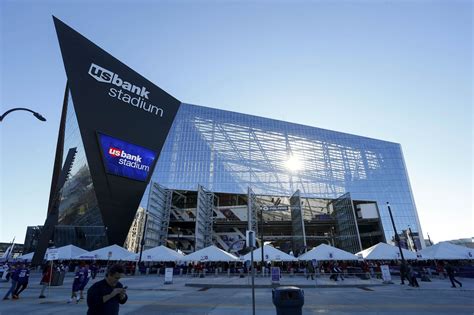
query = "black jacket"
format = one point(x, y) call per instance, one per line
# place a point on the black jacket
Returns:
point(95, 300)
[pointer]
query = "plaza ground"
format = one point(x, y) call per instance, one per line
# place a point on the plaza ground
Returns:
point(223, 295)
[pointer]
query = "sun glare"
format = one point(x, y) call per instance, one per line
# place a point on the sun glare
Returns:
point(293, 164)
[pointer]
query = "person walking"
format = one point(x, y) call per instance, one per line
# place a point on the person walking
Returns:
point(450, 271)
point(105, 296)
point(93, 269)
point(76, 284)
point(403, 273)
point(45, 280)
point(14, 281)
point(23, 278)
point(412, 277)
point(310, 270)
point(87, 276)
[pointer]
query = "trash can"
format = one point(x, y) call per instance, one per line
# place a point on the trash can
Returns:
point(58, 278)
point(288, 300)
point(62, 274)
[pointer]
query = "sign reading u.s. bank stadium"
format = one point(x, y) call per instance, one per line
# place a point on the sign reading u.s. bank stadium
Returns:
point(133, 116)
point(125, 91)
point(126, 159)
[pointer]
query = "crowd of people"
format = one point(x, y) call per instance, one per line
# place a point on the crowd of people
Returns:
point(18, 273)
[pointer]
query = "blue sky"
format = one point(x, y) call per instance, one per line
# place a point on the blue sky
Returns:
point(394, 70)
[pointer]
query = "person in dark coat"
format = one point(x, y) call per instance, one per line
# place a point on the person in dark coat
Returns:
point(450, 271)
point(105, 296)
point(403, 273)
point(310, 271)
point(412, 276)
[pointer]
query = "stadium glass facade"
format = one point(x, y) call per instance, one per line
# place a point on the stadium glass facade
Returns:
point(227, 152)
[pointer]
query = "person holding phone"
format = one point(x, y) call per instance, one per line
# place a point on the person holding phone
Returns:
point(105, 296)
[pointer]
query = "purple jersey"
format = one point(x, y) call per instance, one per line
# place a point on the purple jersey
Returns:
point(87, 275)
point(78, 279)
point(23, 275)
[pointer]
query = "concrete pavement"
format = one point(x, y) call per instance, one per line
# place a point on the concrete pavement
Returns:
point(149, 295)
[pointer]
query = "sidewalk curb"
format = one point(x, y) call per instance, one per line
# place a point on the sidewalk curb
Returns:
point(269, 286)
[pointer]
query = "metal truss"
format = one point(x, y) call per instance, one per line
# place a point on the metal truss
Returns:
point(204, 218)
point(252, 209)
point(297, 223)
point(159, 209)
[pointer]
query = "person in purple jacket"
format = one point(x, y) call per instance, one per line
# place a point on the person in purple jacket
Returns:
point(87, 276)
point(23, 276)
point(77, 283)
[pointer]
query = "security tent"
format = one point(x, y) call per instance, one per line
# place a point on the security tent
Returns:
point(270, 253)
point(67, 252)
point(448, 251)
point(325, 252)
point(383, 251)
point(112, 252)
point(159, 253)
point(210, 253)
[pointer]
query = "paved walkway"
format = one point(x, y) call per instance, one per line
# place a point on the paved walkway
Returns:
point(149, 295)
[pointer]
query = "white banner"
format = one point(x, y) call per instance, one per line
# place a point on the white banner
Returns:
point(53, 254)
point(168, 275)
point(275, 272)
point(385, 273)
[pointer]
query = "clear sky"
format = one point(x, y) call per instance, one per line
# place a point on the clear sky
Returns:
point(393, 70)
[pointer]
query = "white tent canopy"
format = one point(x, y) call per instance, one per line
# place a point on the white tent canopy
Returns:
point(112, 252)
point(27, 257)
point(210, 253)
point(159, 253)
point(383, 251)
point(67, 252)
point(448, 251)
point(326, 252)
point(270, 253)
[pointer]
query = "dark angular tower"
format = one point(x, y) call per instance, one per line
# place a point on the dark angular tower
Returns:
point(118, 121)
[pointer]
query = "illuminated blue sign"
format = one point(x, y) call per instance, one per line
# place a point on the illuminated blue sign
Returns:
point(126, 159)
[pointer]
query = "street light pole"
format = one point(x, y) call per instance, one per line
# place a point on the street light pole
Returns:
point(37, 115)
point(177, 244)
point(142, 243)
point(397, 237)
point(261, 238)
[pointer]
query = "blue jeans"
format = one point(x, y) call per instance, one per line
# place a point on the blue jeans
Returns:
point(12, 289)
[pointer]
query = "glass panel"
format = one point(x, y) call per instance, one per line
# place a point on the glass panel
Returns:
point(78, 205)
point(227, 152)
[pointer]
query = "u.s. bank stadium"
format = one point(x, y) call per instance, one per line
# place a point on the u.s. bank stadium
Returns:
point(133, 162)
